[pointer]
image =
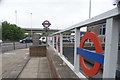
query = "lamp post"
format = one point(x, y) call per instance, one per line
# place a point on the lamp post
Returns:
point(16, 17)
point(31, 24)
point(90, 9)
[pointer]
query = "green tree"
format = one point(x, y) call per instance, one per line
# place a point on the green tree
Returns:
point(11, 32)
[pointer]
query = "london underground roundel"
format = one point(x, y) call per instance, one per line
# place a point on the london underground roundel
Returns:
point(46, 23)
point(97, 57)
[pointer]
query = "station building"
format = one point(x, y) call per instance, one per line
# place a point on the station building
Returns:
point(99, 30)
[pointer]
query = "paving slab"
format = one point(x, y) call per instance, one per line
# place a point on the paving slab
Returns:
point(13, 74)
point(37, 67)
point(44, 75)
point(28, 75)
point(13, 62)
point(43, 68)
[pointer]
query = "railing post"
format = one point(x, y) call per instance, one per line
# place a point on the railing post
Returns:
point(61, 44)
point(61, 47)
point(76, 56)
point(48, 38)
point(53, 41)
point(111, 48)
point(57, 43)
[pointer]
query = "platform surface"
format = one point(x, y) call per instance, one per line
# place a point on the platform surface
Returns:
point(37, 67)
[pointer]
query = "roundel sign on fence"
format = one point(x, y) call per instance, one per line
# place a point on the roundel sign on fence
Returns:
point(96, 56)
point(58, 43)
point(46, 23)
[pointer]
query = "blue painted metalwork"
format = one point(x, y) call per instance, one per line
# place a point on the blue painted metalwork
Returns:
point(46, 23)
point(91, 55)
point(58, 43)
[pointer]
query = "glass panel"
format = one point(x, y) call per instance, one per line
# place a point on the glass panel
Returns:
point(68, 46)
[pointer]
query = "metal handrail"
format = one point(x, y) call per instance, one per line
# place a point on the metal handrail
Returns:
point(93, 21)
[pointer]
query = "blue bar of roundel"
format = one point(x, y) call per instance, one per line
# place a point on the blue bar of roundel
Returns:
point(46, 23)
point(91, 55)
point(58, 43)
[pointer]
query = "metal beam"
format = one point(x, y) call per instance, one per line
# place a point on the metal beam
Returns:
point(39, 30)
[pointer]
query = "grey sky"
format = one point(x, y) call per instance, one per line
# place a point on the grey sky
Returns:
point(61, 13)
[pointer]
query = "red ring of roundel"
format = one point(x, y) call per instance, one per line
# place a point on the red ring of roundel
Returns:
point(95, 69)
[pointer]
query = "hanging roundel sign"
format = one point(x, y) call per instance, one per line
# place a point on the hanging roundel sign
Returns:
point(46, 23)
point(95, 69)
